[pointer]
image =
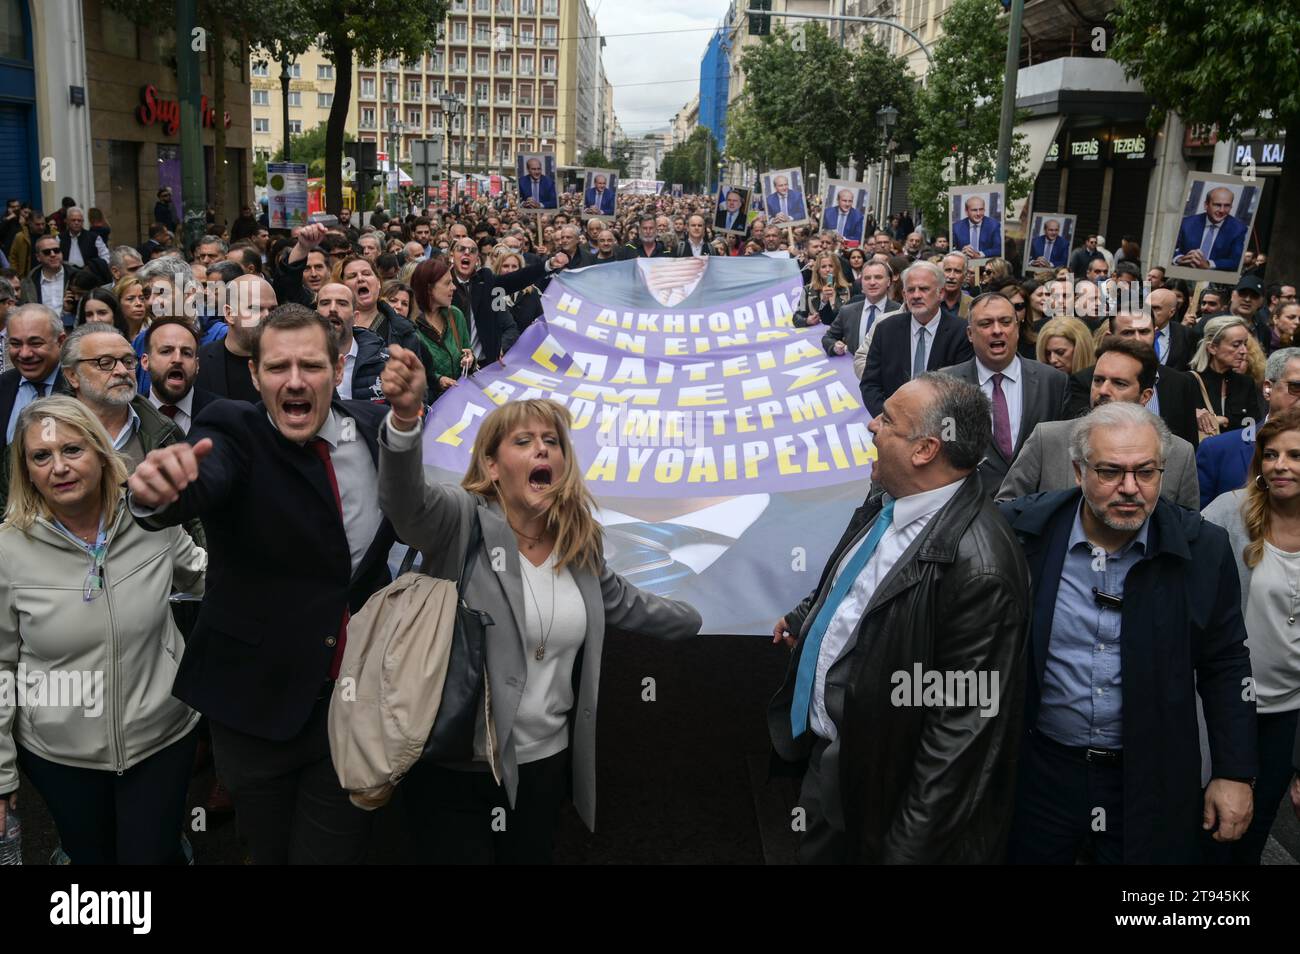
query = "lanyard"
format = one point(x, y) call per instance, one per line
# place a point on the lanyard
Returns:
point(96, 551)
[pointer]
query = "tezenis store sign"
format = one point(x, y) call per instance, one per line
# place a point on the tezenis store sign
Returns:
point(152, 110)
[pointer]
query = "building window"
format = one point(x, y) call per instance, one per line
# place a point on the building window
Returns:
point(261, 68)
point(435, 61)
point(526, 36)
point(459, 31)
point(458, 63)
point(261, 97)
point(295, 127)
point(482, 6)
point(528, 8)
point(548, 124)
point(550, 8)
point(549, 34)
point(367, 117)
point(295, 99)
point(325, 71)
point(413, 89)
point(413, 118)
point(482, 33)
point(324, 100)
point(548, 66)
point(480, 62)
point(481, 93)
point(367, 87)
point(295, 71)
point(503, 63)
point(261, 125)
point(505, 6)
point(503, 93)
point(526, 65)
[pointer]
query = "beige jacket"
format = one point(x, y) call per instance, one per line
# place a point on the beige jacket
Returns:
point(96, 676)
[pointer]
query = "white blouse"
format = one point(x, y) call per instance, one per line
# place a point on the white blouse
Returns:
point(1273, 643)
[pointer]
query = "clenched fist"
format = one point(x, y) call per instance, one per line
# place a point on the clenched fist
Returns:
point(403, 382)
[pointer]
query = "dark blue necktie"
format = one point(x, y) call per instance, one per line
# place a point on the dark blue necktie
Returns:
point(642, 553)
point(804, 679)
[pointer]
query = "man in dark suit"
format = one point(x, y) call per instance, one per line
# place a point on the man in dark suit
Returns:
point(856, 319)
point(492, 329)
point(569, 240)
point(977, 236)
point(925, 572)
point(599, 199)
point(843, 218)
point(223, 364)
point(1175, 342)
point(696, 242)
point(1223, 461)
point(1022, 393)
point(1213, 239)
point(536, 191)
point(1136, 611)
point(1176, 398)
point(1049, 250)
point(286, 490)
point(647, 243)
point(171, 349)
point(785, 204)
point(905, 345)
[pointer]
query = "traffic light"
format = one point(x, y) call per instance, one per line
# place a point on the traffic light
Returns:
point(760, 24)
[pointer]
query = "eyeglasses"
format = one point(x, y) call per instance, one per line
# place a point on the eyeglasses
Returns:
point(1109, 476)
point(50, 251)
point(1292, 387)
point(108, 362)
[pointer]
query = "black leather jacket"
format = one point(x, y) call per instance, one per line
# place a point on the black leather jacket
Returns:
point(925, 784)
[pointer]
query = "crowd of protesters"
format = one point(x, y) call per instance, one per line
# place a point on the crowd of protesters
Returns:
point(133, 363)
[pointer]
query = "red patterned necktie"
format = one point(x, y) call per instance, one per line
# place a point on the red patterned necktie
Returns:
point(168, 409)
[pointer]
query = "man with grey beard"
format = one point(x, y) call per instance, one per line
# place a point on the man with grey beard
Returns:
point(99, 368)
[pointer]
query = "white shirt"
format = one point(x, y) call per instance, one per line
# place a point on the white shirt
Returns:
point(930, 329)
point(349, 368)
point(911, 516)
point(553, 607)
point(74, 251)
point(184, 409)
point(358, 480)
point(866, 318)
point(728, 519)
point(1274, 646)
point(1012, 390)
point(52, 291)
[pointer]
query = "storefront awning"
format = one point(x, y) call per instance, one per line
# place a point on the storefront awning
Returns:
point(1039, 134)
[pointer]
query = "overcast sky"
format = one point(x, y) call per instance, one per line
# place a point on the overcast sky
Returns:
point(654, 58)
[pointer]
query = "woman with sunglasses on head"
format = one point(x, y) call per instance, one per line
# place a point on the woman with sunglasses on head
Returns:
point(1228, 397)
point(1263, 523)
point(84, 602)
point(522, 521)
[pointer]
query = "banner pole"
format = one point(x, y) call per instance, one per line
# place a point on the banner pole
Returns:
point(539, 231)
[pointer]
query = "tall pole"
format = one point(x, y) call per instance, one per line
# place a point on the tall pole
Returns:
point(284, 107)
point(1008, 118)
point(189, 92)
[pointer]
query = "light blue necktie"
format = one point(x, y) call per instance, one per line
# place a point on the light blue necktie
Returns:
point(803, 683)
point(1161, 346)
point(1207, 240)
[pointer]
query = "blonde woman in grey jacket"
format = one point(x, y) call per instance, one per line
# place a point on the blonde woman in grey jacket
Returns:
point(88, 649)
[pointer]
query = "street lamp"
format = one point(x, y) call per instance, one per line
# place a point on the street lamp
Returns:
point(284, 103)
point(886, 119)
point(451, 107)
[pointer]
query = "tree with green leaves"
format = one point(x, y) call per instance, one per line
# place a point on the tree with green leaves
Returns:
point(959, 110)
point(593, 158)
point(310, 147)
point(1231, 63)
point(687, 161)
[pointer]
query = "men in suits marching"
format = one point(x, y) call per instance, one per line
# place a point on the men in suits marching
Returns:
point(171, 350)
point(849, 331)
point(287, 492)
point(911, 342)
point(1176, 396)
point(1175, 343)
point(1125, 371)
point(1213, 239)
point(1022, 393)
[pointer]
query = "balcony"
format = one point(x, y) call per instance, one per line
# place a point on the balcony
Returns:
point(550, 42)
point(414, 97)
point(548, 102)
point(525, 101)
point(366, 124)
point(525, 71)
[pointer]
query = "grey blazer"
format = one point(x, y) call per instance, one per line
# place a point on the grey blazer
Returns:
point(1044, 464)
point(436, 519)
point(848, 321)
point(1042, 396)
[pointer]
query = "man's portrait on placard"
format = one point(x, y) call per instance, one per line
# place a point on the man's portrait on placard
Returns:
point(1218, 215)
point(536, 174)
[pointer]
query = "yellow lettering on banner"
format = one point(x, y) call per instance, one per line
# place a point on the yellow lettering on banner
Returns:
point(751, 389)
point(698, 370)
point(608, 418)
point(719, 322)
point(753, 452)
point(665, 373)
point(633, 343)
point(675, 347)
point(607, 316)
point(703, 468)
point(763, 336)
point(668, 470)
point(729, 461)
point(742, 420)
point(837, 449)
point(562, 321)
point(531, 379)
point(452, 435)
point(767, 412)
point(641, 423)
point(582, 413)
point(674, 324)
point(702, 345)
point(805, 407)
point(719, 419)
point(704, 394)
point(499, 391)
point(814, 464)
point(807, 374)
point(785, 464)
point(597, 334)
point(841, 398)
point(729, 341)
point(864, 449)
point(547, 350)
point(801, 348)
point(637, 458)
point(734, 366)
point(630, 371)
point(605, 466)
point(673, 423)
point(594, 392)
point(589, 366)
point(782, 310)
point(766, 361)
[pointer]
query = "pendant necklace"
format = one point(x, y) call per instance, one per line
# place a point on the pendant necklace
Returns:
point(541, 647)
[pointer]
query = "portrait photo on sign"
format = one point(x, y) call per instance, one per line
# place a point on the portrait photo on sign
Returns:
point(975, 220)
point(1218, 215)
point(536, 173)
point(1051, 237)
point(732, 213)
point(677, 190)
point(845, 210)
point(599, 193)
point(783, 198)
